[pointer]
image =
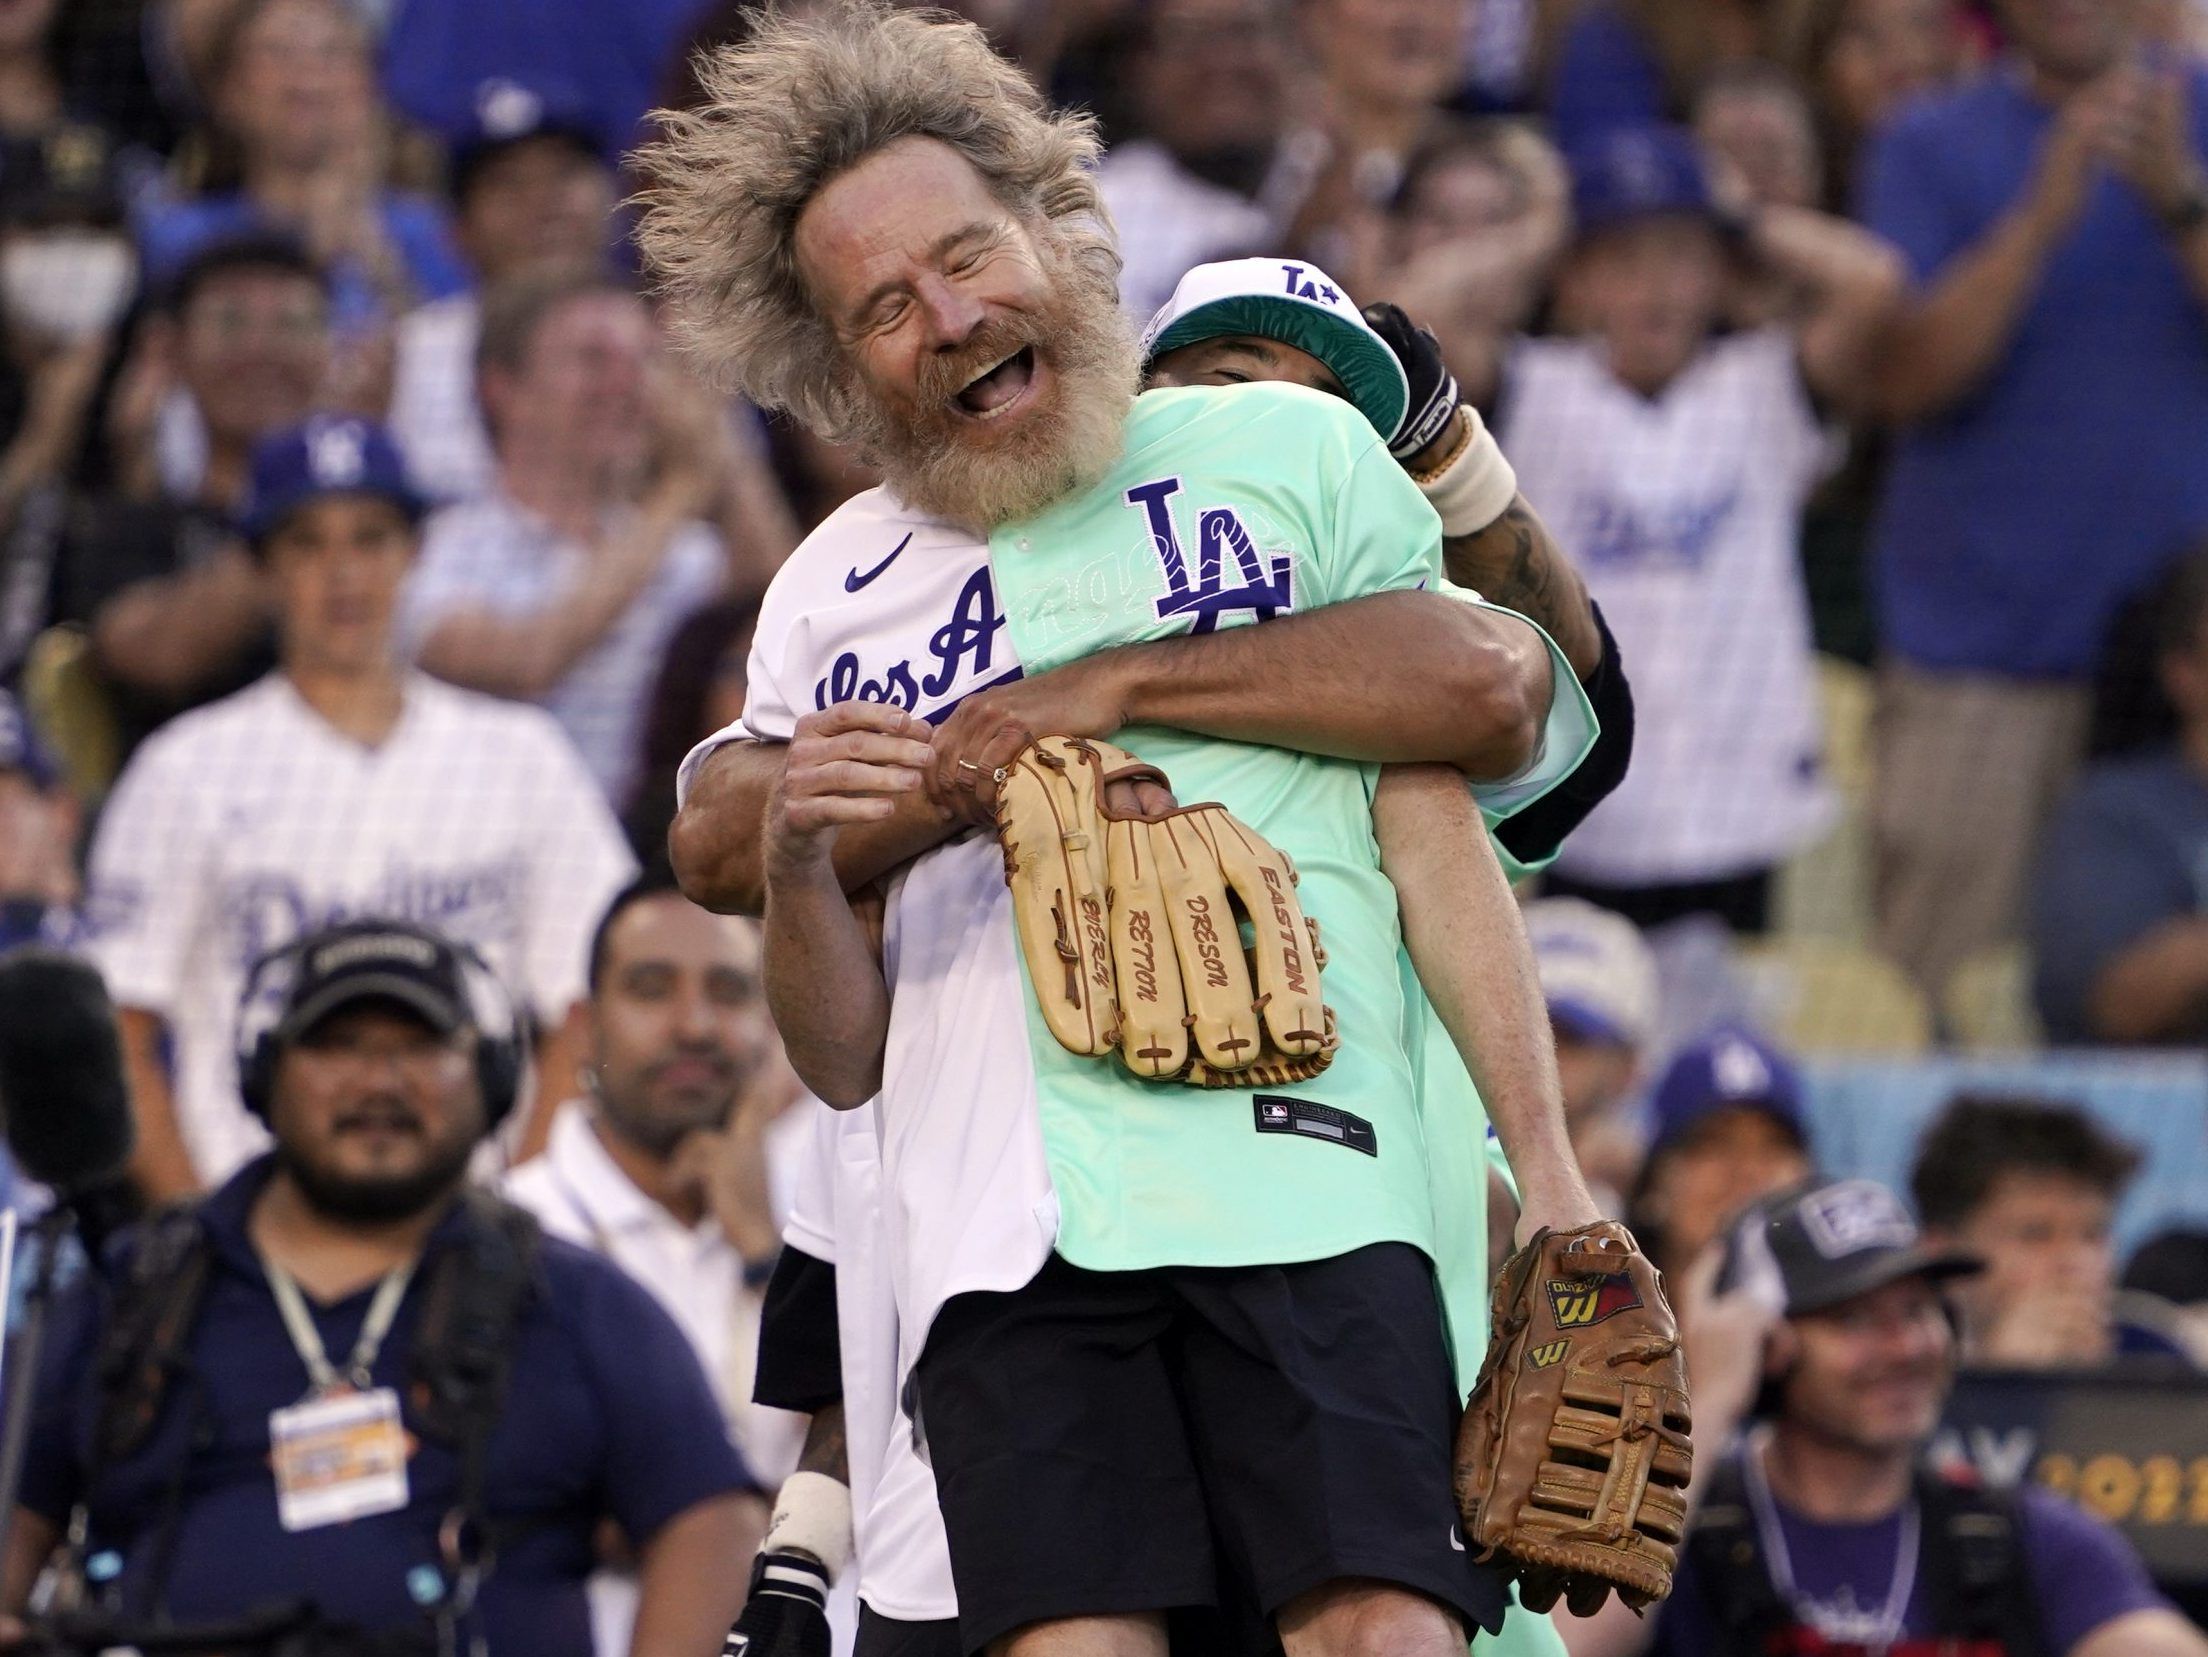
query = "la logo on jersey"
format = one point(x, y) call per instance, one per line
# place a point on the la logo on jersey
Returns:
point(965, 645)
point(1264, 585)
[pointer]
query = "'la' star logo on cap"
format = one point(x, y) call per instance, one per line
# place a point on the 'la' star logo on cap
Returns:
point(1313, 287)
point(507, 109)
point(1739, 1071)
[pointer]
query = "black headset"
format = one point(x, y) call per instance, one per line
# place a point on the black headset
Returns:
point(501, 1027)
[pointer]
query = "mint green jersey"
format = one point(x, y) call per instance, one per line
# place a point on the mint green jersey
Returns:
point(1228, 508)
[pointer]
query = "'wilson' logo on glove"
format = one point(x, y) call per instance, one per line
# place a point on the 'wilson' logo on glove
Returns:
point(1581, 1302)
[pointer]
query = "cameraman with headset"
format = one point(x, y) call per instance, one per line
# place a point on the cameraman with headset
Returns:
point(1824, 1531)
point(345, 1404)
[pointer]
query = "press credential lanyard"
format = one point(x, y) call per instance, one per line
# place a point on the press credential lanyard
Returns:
point(339, 1453)
point(1876, 1630)
point(306, 1340)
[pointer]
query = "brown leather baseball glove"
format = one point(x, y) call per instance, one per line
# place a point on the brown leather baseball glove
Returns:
point(1574, 1456)
point(1131, 926)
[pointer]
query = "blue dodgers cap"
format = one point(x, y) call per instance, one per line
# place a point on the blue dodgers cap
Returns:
point(1639, 173)
point(1731, 1067)
point(1297, 304)
point(327, 455)
point(508, 111)
point(20, 747)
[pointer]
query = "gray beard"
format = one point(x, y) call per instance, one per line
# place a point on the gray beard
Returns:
point(1064, 449)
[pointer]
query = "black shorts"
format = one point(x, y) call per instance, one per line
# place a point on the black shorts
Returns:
point(1113, 1442)
point(881, 1636)
point(1190, 1634)
point(800, 1343)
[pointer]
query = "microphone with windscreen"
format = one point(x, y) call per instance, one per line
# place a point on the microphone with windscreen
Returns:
point(62, 1090)
point(68, 1122)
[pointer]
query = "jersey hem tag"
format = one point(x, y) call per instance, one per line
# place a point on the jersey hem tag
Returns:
point(1277, 1114)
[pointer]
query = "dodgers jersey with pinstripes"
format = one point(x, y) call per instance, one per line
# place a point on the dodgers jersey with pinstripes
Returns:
point(241, 825)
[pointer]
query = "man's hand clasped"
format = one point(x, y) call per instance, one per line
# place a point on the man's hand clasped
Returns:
point(847, 764)
point(991, 726)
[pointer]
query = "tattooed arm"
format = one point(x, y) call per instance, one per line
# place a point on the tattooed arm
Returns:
point(825, 1450)
point(1492, 540)
point(1516, 563)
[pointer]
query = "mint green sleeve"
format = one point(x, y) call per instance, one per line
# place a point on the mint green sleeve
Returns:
point(1569, 732)
point(1525, 1634)
point(1381, 535)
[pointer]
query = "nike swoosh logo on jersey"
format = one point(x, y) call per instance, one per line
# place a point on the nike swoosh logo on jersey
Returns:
point(853, 580)
point(1456, 1539)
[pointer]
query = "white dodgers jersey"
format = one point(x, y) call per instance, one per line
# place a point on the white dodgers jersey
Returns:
point(1684, 513)
point(241, 825)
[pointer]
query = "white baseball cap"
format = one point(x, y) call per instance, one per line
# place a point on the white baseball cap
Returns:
point(1298, 304)
point(1597, 976)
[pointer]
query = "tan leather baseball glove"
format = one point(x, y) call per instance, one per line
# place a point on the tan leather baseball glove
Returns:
point(1574, 1455)
point(1131, 926)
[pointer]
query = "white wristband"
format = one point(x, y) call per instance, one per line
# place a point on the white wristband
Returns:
point(1476, 487)
point(812, 1515)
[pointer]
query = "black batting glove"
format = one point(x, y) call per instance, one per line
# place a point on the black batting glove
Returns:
point(1434, 396)
point(787, 1612)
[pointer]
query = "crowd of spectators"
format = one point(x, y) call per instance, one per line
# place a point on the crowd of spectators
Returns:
point(1852, 347)
point(1787, 364)
point(365, 550)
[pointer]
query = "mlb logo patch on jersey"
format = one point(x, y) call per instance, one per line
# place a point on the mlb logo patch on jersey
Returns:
point(1581, 1302)
point(1548, 1356)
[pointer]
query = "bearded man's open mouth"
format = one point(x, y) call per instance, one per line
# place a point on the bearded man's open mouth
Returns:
point(998, 388)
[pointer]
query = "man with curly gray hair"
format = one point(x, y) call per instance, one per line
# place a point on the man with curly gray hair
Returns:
point(793, 292)
point(1163, 1349)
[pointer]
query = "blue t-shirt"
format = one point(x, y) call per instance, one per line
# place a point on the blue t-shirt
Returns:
point(2082, 1573)
point(171, 232)
point(607, 1414)
point(2015, 523)
point(1606, 78)
point(2126, 851)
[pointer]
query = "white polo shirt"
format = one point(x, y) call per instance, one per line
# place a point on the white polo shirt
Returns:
point(434, 413)
point(581, 1195)
point(241, 825)
point(1170, 221)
